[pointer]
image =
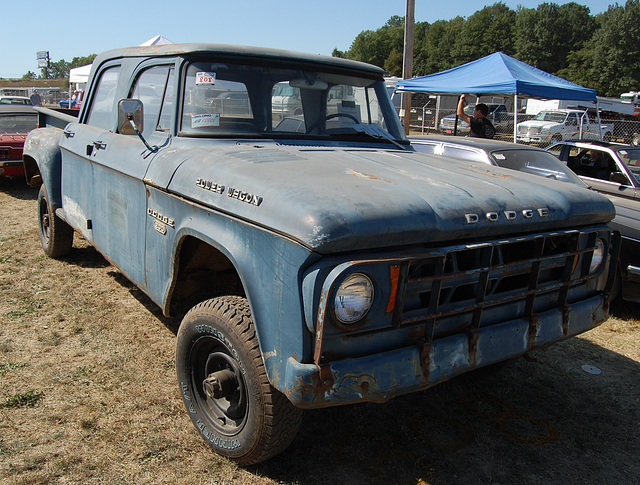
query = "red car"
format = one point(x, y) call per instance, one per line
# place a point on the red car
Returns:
point(16, 121)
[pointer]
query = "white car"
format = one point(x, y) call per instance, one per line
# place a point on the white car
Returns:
point(23, 100)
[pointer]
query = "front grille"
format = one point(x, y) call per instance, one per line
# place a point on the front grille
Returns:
point(485, 284)
point(529, 130)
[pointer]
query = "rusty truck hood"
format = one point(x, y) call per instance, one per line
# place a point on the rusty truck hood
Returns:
point(340, 199)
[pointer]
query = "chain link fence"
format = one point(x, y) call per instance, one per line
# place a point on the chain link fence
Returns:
point(427, 119)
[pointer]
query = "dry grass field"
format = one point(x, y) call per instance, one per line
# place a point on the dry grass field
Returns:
point(88, 396)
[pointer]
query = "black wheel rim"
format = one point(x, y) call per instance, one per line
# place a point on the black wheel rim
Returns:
point(227, 414)
point(45, 223)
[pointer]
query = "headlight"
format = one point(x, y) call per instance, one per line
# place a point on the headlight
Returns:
point(598, 256)
point(353, 298)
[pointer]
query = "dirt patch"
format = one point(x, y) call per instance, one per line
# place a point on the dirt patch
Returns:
point(88, 395)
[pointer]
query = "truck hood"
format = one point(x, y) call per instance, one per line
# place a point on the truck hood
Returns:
point(340, 199)
point(539, 124)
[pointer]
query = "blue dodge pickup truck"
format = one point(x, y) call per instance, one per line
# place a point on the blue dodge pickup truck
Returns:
point(321, 259)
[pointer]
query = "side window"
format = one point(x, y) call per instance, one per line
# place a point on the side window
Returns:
point(150, 88)
point(102, 112)
point(168, 104)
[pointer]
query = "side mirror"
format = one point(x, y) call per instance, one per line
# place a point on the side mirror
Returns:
point(130, 110)
point(130, 120)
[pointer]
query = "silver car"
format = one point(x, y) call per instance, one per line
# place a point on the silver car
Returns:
point(523, 158)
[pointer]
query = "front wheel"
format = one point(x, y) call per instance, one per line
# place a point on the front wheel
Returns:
point(225, 387)
point(56, 236)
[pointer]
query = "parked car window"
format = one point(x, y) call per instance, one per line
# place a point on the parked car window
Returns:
point(631, 158)
point(464, 154)
point(148, 88)
point(102, 112)
point(18, 123)
point(536, 162)
point(15, 100)
point(550, 116)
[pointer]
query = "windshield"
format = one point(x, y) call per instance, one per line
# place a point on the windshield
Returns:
point(18, 123)
point(537, 162)
point(550, 116)
point(227, 99)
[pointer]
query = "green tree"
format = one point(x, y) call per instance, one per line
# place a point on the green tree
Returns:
point(486, 31)
point(546, 35)
point(81, 61)
point(616, 50)
point(59, 69)
point(433, 46)
point(376, 47)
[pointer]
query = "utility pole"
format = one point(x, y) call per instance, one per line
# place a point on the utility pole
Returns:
point(407, 62)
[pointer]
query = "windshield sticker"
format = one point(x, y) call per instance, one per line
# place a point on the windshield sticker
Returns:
point(205, 78)
point(205, 120)
point(499, 156)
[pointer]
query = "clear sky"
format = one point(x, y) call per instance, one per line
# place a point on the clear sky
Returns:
point(317, 27)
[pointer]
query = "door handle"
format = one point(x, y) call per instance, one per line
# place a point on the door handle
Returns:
point(98, 145)
point(68, 134)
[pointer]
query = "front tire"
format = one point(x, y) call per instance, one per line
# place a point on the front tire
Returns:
point(56, 236)
point(224, 384)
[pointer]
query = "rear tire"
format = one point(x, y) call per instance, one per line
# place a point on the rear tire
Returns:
point(56, 236)
point(224, 383)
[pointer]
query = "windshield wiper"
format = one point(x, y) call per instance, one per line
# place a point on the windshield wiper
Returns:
point(372, 131)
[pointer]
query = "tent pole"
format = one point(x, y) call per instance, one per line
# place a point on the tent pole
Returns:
point(515, 117)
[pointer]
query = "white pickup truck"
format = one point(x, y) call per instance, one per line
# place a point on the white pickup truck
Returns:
point(550, 126)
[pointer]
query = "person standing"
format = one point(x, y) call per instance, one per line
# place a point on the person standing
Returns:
point(479, 125)
point(35, 98)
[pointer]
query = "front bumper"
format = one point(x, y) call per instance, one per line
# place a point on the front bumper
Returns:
point(385, 375)
point(13, 168)
point(534, 138)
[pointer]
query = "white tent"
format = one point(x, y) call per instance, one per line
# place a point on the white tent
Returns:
point(79, 74)
point(157, 40)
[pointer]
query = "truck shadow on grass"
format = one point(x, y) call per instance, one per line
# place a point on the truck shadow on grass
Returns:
point(18, 188)
point(537, 420)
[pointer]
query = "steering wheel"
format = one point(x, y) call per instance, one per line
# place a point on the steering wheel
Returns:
point(330, 117)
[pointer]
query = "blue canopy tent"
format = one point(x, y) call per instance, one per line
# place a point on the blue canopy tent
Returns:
point(499, 74)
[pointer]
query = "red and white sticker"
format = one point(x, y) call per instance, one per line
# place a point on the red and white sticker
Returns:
point(205, 78)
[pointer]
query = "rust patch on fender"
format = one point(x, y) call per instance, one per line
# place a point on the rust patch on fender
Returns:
point(366, 176)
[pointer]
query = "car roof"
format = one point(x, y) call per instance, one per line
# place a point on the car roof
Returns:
point(479, 143)
point(593, 144)
point(16, 108)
